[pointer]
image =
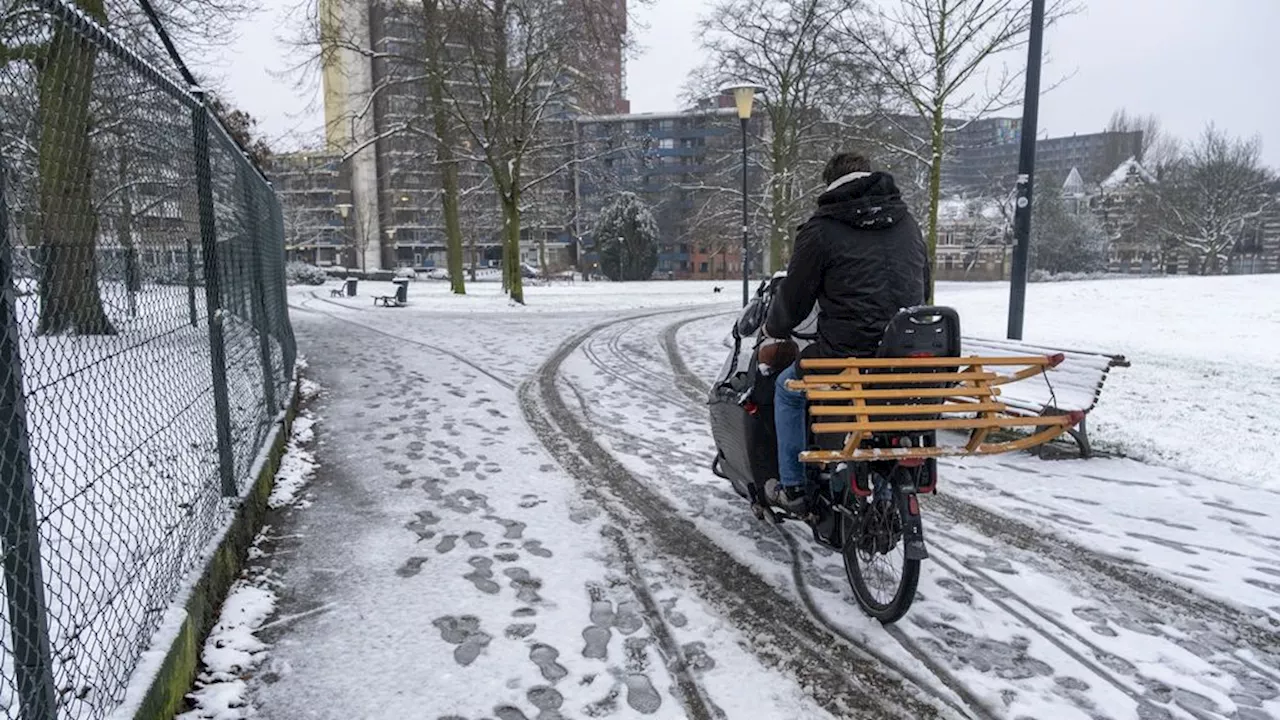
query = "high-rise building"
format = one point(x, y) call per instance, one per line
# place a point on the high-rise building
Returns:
point(376, 116)
point(316, 205)
point(686, 167)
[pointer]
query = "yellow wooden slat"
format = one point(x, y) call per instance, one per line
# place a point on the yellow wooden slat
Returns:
point(818, 381)
point(872, 454)
point(979, 436)
point(902, 394)
point(946, 424)
point(924, 362)
point(937, 409)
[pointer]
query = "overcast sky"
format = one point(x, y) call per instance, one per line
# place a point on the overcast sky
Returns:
point(1188, 61)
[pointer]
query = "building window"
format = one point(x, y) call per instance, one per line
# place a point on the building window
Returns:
point(702, 268)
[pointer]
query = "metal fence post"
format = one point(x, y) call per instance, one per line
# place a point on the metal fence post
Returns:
point(213, 294)
point(288, 345)
point(23, 576)
point(191, 281)
point(255, 241)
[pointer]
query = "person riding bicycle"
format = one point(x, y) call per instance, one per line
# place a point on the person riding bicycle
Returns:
point(861, 258)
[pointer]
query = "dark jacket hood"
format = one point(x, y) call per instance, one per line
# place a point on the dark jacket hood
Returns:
point(866, 203)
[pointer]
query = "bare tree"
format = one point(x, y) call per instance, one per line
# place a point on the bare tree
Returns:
point(938, 59)
point(1212, 195)
point(800, 52)
point(62, 65)
point(436, 36)
point(526, 64)
point(1159, 148)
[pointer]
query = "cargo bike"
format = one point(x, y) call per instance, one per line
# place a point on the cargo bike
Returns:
point(877, 428)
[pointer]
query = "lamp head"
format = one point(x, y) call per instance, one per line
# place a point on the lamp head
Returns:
point(744, 95)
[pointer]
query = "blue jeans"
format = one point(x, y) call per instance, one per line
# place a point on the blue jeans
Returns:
point(789, 417)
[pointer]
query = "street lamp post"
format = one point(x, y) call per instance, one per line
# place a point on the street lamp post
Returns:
point(344, 209)
point(744, 98)
point(1026, 174)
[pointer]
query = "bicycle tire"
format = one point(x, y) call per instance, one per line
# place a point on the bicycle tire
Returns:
point(893, 610)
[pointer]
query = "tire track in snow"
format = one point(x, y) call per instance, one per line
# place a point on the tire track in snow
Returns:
point(845, 678)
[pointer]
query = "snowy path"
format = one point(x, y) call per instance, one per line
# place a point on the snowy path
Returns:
point(444, 567)
point(514, 517)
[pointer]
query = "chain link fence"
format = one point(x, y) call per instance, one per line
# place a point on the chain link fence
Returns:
point(145, 350)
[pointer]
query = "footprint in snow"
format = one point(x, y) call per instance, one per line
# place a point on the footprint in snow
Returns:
point(534, 547)
point(597, 642)
point(482, 575)
point(420, 526)
point(642, 696)
point(464, 632)
point(411, 567)
point(520, 631)
point(514, 528)
point(627, 618)
point(696, 655)
point(525, 585)
point(545, 657)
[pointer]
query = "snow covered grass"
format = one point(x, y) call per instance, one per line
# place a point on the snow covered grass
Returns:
point(1202, 392)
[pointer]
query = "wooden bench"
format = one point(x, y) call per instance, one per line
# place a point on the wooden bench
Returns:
point(400, 299)
point(1073, 386)
point(337, 292)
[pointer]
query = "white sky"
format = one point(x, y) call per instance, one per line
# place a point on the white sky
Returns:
point(1188, 61)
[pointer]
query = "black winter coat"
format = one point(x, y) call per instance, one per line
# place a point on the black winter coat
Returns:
point(861, 258)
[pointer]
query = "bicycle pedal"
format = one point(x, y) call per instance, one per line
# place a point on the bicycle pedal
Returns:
point(766, 512)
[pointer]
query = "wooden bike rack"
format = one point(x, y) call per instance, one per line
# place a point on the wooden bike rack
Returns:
point(862, 397)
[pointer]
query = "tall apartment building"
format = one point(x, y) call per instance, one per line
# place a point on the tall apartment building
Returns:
point(686, 167)
point(374, 112)
point(1094, 156)
point(316, 203)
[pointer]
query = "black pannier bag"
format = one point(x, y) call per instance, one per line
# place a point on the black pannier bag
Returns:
point(741, 401)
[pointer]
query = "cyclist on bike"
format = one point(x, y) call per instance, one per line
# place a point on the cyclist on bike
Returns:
point(861, 258)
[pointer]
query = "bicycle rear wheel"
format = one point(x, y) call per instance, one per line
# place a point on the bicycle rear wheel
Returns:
point(883, 578)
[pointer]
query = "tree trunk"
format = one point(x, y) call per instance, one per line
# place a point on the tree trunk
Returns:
point(778, 204)
point(446, 159)
point(452, 228)
point(943, 53)
point(935, 191)
point(124, 236)
point(70, 300)
point(511, 246)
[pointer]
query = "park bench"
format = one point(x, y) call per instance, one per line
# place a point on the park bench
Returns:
point(1073, 386)
point(337, 292)
point(400, 299)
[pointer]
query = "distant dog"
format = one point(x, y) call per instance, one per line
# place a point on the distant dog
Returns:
point(717, 289)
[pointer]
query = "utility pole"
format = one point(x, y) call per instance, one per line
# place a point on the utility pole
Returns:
point(1026, 174)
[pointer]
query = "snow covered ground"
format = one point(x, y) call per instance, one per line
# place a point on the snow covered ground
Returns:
point(513, 516)
point(1204, 386)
